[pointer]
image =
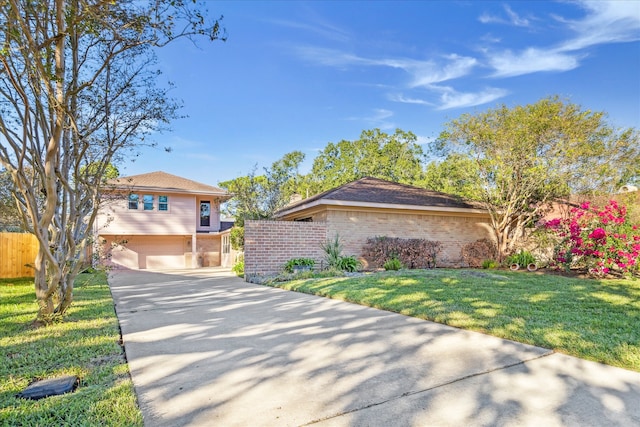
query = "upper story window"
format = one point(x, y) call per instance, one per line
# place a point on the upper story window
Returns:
point(205, 213)
point(133, 201)
point(147, 199)
point(163, 203)
point(148, 202)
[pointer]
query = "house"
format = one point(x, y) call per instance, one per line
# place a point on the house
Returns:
point(158, 220)
point(356, 211)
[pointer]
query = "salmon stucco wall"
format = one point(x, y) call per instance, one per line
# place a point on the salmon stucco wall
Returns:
point(453, 230)
point(180, 218)
point(115, 217)
point(268, 245)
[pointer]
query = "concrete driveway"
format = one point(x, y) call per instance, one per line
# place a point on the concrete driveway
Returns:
point(206, 348)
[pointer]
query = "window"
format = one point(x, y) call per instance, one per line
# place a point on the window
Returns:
point(147, 199)
point(133, 201)
point(163, 203)
point(226, 244)
point(205, 214)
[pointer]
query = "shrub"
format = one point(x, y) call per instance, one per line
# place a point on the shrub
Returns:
point(412, 253)
point(303, 262)
point(236, 238)
point(598, 240)
point(335, 259)
point(333, 251)
point(489, 263)
point(238, 267)
point(392, 264)
point(522, 258)
point(475, 253)
point(348, 263)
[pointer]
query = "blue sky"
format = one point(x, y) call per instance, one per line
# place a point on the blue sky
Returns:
point(298, 75)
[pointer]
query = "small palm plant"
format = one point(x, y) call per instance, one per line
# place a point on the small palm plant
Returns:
point(333, 251)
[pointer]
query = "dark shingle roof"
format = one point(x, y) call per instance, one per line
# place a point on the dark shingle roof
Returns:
point(165, 181)
point(375, 190)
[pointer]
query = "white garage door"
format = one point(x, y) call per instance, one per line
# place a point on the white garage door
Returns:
point(154, 252)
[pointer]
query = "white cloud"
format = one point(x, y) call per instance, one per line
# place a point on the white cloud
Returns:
point(381, 114)
point(328, 57)
point(485, 18)
point(513, 18)
point(319, 27)
point(398, 97)
point(377, 119)
point(422, 72)
point(606, 22)
point(427, 73)
point(450, 98)
point(531, 60)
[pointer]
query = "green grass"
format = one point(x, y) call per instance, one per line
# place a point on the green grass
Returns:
point(597, 320)
point(85, 344)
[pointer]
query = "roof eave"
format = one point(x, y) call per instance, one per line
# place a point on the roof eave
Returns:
point(348, 203)
point(170, 190)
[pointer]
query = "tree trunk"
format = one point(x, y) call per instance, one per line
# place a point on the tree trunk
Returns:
point(45, 302)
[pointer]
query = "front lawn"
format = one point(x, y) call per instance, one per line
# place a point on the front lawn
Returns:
point(86, 344)
point(592, 319)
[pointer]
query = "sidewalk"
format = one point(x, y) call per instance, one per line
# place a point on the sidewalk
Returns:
point(206, 348)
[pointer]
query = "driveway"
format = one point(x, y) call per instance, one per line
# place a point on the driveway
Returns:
point(206, 348)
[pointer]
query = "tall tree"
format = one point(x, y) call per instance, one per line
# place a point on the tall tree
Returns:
point(282, 181)
point(395, 157)
point(78, 93)
point(248, 197)
point(259, 196)
point(457, 174)
point(527, 156)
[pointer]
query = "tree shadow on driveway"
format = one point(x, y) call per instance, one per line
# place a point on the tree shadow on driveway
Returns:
point(205, 348)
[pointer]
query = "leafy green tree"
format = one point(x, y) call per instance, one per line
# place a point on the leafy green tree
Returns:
point(259, 196)
point(527, 156)
point(457, 174)
point(248, 197)
point(395, 157)
point(78, 94)
point(282, 181)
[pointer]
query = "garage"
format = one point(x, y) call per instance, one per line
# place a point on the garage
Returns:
point(142, 252)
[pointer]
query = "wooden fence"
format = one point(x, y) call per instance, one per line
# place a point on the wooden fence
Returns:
point(17, 254)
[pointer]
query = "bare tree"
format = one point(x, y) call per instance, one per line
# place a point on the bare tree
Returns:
point(77, 94)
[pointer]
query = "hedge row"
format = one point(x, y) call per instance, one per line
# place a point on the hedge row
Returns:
point(413, 253)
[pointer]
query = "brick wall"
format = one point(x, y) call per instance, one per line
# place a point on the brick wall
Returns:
point(268, 245)
point(452, 230)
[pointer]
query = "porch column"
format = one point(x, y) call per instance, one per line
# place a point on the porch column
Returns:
point(194, 245)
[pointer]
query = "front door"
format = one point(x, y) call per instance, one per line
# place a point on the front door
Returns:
point(205, 214)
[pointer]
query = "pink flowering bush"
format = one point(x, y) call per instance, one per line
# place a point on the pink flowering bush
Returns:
point(602, 241)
